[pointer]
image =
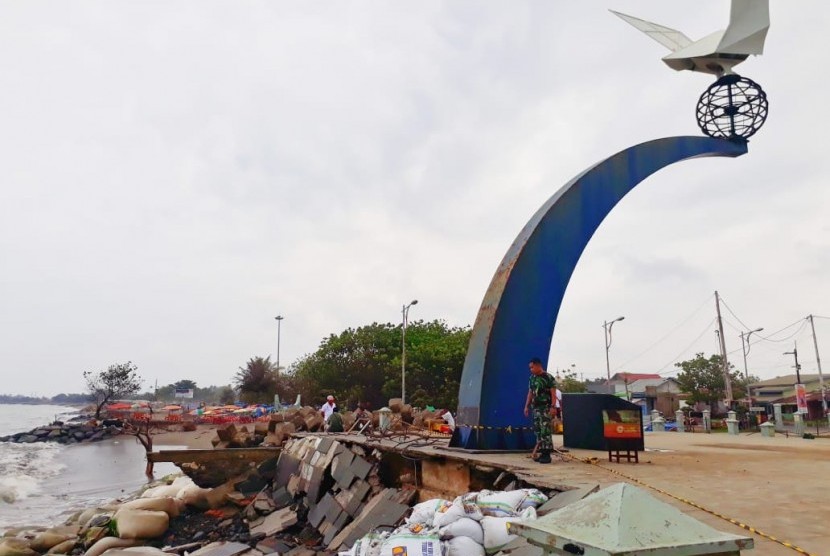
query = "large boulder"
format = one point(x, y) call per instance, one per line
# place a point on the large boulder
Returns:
point(396, 405)
point(314, 422)
point(226, 433)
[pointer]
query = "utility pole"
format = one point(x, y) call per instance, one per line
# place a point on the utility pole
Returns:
point(818, 364)
point(722, 341)
point(794, 353)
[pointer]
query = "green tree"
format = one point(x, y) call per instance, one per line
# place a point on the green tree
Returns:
point(227, 395)
point(116, 382)
point(568, 382)
point(256, 382)
point(702, 379)
point(364, 364)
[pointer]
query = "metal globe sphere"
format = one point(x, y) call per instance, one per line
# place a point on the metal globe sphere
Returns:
point(732, 107)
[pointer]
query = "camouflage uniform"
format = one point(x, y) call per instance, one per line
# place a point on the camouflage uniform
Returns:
point(540, 386)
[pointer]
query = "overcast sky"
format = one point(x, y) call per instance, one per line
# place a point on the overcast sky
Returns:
point(175, 174)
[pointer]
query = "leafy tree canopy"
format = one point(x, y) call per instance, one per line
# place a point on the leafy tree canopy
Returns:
point(116, 382)
point(364, 364)
point(257, 381)
point(702, 379)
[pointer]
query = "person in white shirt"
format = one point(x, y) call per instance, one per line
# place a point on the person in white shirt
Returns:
point(328, 407)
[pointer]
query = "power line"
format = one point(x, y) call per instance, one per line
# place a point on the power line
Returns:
point(669, 333)
point(731, 312)
point(693, 342)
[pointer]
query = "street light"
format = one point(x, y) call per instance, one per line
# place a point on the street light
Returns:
point(607, 326)
point(405, 315)
point(279, 329)
point(746, 346)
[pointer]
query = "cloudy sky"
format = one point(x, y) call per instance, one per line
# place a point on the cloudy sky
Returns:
point(175, 174)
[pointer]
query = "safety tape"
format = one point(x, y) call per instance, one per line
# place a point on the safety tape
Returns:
point(753, 530)
point(506, 429)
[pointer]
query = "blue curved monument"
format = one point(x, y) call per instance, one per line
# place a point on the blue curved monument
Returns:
point(519, 310)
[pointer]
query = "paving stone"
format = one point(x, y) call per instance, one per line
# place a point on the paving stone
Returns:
point(321, 511)
point(287, 465)
point(269, 545)
point(324, 445)
point(276, 522)
point(359, 492)
point(564, 498)
point(336, 526)
point(380, 511)
point(315, 482)
point(268, 468)
point(281, 498)
point(294, 485)
point(252, 485)
point(222, 549)
point(360, 467)
point(301, 551)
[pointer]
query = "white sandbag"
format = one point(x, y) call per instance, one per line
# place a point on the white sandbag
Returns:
point(529, 514)
point(182, 481)
point(163, 491)
point(424, 513)
point(170, 506)
point(195, 496)
point(135, 551)
point(500, 504)
point(368, 545)
point(464, 546)
point(533, 498)
point(109, 542)
point(140, 524)
point(45, 540)
point(496, 534)
point(446, 513)
point(407, 543)
point(463, 527)
point(469, 505)
point(14, 546)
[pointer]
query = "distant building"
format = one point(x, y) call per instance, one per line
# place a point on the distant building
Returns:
point(782, 390)
point(649, 390)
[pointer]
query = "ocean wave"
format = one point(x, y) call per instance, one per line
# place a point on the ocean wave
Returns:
point(23, 468)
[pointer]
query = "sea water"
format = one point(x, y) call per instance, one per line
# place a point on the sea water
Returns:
point(43, 483)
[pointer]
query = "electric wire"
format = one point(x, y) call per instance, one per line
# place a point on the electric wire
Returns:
point(693, 342)
point(669, 333)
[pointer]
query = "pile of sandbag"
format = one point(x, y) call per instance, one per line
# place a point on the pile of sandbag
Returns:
point(474, 524)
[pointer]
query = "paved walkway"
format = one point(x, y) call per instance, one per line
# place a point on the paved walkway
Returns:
point(776, 485)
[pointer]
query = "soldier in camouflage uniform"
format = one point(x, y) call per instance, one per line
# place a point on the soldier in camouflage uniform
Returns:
point(540, 401)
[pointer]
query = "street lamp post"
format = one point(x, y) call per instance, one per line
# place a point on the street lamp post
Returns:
point(607, 326)
point(279, 330)
point(745, 347)
point(405, 316)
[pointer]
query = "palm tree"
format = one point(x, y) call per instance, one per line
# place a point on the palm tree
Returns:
point(257, 380)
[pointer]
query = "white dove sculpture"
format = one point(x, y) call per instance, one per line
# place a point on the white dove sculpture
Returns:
point(719, 52)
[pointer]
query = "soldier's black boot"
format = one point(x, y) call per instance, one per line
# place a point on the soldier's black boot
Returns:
point(545, 457)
